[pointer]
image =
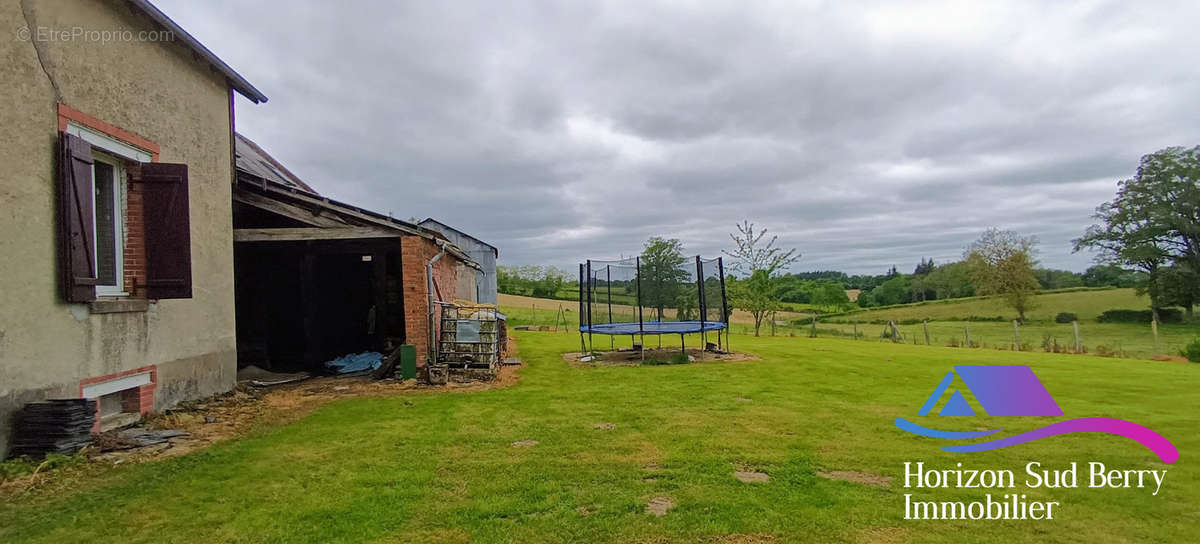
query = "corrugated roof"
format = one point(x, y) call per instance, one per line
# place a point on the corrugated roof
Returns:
point(429, 220)
point(253, 160)
point(235, 79)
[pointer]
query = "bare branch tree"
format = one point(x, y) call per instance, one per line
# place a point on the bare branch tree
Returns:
point(756, 294)
point(751, 255)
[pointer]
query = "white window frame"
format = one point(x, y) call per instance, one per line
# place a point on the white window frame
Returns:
point(109, 144)
point(119, 195)
point(114, 152)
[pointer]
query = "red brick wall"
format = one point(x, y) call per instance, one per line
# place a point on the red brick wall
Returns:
point(139, 399)
point(417, 252)
point(135, 241)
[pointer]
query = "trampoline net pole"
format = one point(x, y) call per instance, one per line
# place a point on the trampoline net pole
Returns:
point(591, 344)
point(582, 345)
point(724, 303)
point(608, 280)
point(700, 301)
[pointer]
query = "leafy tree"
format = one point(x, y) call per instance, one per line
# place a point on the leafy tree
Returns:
point(663, 274)
point(537, 281)
point(1001, 263)
point(890, 292)
point(950, 281)
point(1154, 220)
point(1057, 279)
point(865, 299)
point(1105, 275)
point(761, 261)
point(755, 295)
point(924, 268)
point(551, 282)
point(828, 294)
point(1179, 286)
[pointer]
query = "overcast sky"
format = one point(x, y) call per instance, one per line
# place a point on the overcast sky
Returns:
point(864, 136)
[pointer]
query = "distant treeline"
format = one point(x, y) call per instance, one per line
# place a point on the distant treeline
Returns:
point(534, 281)
point(931, 281)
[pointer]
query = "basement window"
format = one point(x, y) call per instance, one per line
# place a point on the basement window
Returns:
point(119, 399)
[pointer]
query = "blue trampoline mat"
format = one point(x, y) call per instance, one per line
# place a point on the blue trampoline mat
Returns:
point(654, 327)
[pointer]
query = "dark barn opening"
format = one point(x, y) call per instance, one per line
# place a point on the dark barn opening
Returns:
point(301, 303)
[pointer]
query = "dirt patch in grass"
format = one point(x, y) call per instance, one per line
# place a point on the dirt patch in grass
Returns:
point(751, 477)
point(236, 413)
point(659, 506)
point(604, 426)
point(1172, 358)
point(855, 476)
point(628, 357)
point(524, 443)
point(742, 539)
point(881, 535)
point(587, 510)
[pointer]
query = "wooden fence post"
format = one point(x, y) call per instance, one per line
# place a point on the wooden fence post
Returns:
point(1078, 341)
point(856, 330)
point(926, 324)
point(1016, 336)
point(967, 331)
point(813, 333)
point(895, 332)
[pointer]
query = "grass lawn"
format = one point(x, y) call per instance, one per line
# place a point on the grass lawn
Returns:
point(442, 468)
point(1085, 304)
point(1110, 339)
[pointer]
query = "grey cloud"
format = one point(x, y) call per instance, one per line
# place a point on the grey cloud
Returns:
point(864, 135)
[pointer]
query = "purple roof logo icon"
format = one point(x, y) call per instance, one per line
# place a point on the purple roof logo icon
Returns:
point(1015, 391)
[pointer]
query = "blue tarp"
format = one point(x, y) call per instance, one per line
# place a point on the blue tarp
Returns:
point(360, 362)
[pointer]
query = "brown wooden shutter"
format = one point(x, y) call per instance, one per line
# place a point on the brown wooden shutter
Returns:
point(77, 237)
point(168, 236)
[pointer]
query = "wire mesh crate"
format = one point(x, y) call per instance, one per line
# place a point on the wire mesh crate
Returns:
point(469, 336)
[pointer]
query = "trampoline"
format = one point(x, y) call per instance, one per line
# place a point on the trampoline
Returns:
point(654, 327)
point(653, 295)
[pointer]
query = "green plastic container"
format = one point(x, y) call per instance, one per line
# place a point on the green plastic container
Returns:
point(408, 362)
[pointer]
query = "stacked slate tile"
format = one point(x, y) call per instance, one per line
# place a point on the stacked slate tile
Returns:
point(53, 426)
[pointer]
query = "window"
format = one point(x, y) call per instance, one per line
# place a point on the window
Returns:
point(98, 180)
point(108, 200)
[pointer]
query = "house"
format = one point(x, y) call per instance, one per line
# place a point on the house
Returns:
point(317, 278)
point(481, 252)
point(117, 277)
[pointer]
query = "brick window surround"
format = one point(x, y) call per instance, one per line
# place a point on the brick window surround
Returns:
point(134, 263)
point(138, 400)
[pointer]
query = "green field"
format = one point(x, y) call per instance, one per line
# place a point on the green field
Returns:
point(947, 324)
point(1087, 304)
point(429, 467)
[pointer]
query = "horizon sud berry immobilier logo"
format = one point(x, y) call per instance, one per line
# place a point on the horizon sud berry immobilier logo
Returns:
point(1014, 391)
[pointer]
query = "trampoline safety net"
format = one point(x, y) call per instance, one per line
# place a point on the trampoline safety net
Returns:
point(639, 296)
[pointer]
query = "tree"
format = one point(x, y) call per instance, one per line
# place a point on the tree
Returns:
point(663, 274)
point(1001, 263)
point(1111, 275)
point(890, 292)
point(755, 295)
point(751, 255)
point(827, 294)
point(950, 281)
point(1049, 278)
point(1154, 220)
point(761, 261)
point(1179, 286)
